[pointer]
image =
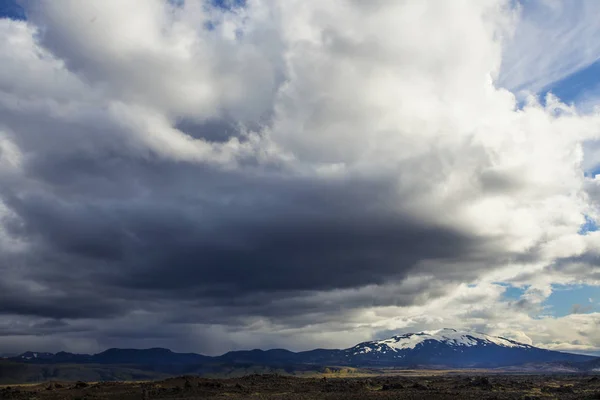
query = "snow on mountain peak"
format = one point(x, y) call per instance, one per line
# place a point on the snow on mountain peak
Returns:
point(450, 337)
point(30, 355)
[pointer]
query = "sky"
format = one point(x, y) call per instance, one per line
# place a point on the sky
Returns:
point(211, 175)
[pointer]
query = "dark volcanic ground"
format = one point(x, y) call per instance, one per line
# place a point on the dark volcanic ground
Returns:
point(282, 387)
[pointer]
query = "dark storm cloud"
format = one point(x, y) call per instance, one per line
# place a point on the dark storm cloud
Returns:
point(56, 304)
point(293, 255)
point(44, 327)
point(200, 231)
point(128, 231)
point(214, 130)
point(585, 266)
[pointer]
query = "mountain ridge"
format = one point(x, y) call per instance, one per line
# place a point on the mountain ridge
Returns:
point(445, 347)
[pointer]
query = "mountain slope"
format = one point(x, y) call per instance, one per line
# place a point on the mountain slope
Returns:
point(445, 348)
point(148, 356)
point(154, 356)
point(452, 348)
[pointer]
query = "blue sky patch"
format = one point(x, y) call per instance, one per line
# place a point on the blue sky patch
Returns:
point(576, 87)
point(10, 9)
point(573, 299)
point(589, 226)
point(512, 293)
point(228, 4)
point(592, 172)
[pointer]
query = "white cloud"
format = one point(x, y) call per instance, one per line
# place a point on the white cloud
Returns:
point(164, 58)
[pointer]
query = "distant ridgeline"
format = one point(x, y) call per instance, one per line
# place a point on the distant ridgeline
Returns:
point(446, 348)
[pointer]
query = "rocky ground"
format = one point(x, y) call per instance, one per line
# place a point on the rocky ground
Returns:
point(282, 387)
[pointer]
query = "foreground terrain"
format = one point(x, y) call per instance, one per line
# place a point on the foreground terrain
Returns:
point(283, 387)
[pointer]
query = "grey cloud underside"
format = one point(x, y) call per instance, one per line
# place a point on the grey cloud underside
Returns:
point(212, 130)
point(183, 231)
point(67, 305)
point(586, 265)
point(113, 228)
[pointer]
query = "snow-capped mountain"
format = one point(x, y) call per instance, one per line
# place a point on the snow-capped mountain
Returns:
point(451, 348)
point(30, 355)
point(445, 348)
point(450, 337)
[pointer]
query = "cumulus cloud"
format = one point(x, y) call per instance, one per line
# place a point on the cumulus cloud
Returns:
point(294, 174)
